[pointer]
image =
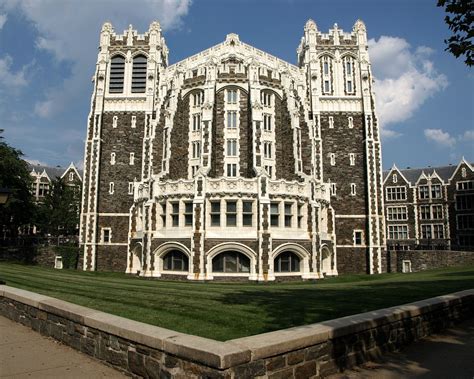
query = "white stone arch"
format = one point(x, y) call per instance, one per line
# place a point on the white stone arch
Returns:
point(300, 251)
point(165, 248)
point(140, 52)
point(326, 258)
point(231, 246)
point(134, 265)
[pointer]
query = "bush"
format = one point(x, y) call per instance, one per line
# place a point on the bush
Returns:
point(70, 255)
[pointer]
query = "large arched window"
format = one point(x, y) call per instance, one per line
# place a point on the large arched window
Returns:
point(287, 262)
point(117, 73)
point(175, 260)
point(139, 74)
point(231, 262)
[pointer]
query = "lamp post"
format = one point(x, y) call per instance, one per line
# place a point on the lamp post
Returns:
point(4, 195)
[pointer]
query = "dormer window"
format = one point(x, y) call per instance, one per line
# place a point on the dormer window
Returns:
point(117, 74)
point(139, 74)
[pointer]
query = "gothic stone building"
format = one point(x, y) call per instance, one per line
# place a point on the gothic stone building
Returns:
point(430, 208)
point(232, 163)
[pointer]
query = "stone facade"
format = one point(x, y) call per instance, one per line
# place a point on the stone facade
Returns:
point(430, 208)
point(420, 260)
point(309, 351)
point(233, 164)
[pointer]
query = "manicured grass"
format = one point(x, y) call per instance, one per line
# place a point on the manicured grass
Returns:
point(224, 311)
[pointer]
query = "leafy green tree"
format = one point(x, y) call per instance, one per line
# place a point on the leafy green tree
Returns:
point(460, 19)
point(58, 214)
point(15, 177)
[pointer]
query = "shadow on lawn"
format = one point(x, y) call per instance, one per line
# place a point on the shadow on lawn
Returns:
point(293, 307)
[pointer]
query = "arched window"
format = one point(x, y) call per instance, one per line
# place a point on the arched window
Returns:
point(349, 75)
point(326, 69)
point(287, 262)
point(175, 260)
point(139, 74)
point(231, 262)
point(117, 73)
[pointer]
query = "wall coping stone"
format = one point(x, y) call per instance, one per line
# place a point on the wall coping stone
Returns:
point(222, 355)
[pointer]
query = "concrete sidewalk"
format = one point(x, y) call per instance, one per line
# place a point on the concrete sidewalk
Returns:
point(27, 354)
point(446, 355)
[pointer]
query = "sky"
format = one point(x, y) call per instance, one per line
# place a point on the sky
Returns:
point(48, 51)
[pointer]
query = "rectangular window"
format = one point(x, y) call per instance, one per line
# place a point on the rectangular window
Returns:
point(231, 213)
point(163, 213)
point(436, 191)
point(465, 186)
point(288, 215)
point(332, 159)
point(398, 232)
point(350, 121)
point(274, 214)
point(333, 189)
point(231, 119)
point(352, 159)
point(348, 68)
point(188, 214)
point(175, 214)
point(267, 122)
point(353, 189)
point(132, 159)
point(331, 122)
point(327, 87)
point(357, 237)
point(247, 213)
point(114, 121)
point(465, 222)
point(43, 189)
point(269, 170)
point(425, 212)
point(397, 213)
point(196, 122)
point(194, 170)
point(106, 235)
point(232, 96)
point(134, 122)
point(464, 202)
point(396, 193)
point(300, 216)
point(438, 231)
point(215, 213)
point(426, 232)
point(231, 147)
point(196, 149)
point(437, 212)
point(112, 159)
point(232, 170)
point(198, 99)
point(267, 150)
point(424, 192)
point(111, 188)
point(130, 188)
point(326, 68)
point(266, 99)
point(349, 86)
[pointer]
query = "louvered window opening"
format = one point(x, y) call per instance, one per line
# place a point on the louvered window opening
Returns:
point(139, 74)
point(117, 73)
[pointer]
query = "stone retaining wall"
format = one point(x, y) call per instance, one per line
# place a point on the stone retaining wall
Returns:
point(315, 350)
point(428, 259)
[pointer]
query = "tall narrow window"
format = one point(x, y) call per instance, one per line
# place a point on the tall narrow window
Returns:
point(132, 159)
point(114, 121)
point(333, 189)
point(188, 214)
point(134, 122)
point(267, 122)
point(139, 74)
point(288, 214)
point(352, 159)
point(112, 158)
point(350, 122)
point(175, 214)
point(111, 188)
point(130, 188)
point(327, 75)
point(232, 96)
point(332, 159)
point(231, 147)
point(117, 73)
point(196, 122)
point(331, 122)
point(267, 149)
point(274, 214)
point(247, 213)
point(232, 119)
point(353, 189)
point(232, 170)
point(215, 213)
point(196, 149)
point(231, 213)
point(349, 75)
point(269, 170)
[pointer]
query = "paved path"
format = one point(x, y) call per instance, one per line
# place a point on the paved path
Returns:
point(446, 355)
point(27, 354)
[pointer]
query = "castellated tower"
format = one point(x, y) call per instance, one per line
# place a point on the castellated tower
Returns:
point(233, 164)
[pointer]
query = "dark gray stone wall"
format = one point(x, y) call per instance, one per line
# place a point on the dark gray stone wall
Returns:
point(284, 153)
point(178, 165)
point(429, 259)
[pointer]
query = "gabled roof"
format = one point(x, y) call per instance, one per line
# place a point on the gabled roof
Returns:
point(52, 172)
point(72, 167)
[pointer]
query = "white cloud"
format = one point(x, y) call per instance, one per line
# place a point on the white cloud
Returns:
point(3, 19)
point(440, 137)
point(73, 36)
point(404, 78)
point(467, 136)
point(8, 77)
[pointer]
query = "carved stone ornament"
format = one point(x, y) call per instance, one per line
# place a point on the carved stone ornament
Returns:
point(311, 25)
point(107, 28)
point(155, 26)
point(257, 105)
point(359, 26)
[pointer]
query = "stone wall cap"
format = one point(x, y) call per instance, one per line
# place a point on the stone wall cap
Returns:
point(64, 309)
point(26, 297)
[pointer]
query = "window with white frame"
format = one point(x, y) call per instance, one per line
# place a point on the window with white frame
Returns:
point(397, 213)
point(117, 74)
point(71, 176)
point(463, 172)
point(426, 232)
point(464, 202)
point(465, 221)
point(194, 170)
point(106, 235)
point(394, 178)
point(437, 212)
point(231, 96)
point(332, 159)
point(267, 122)
point(231, 170)
point(163, 213)
point(300, 215)
point(333, 189)
point(198, 98)
point(436, 191)
point(247, 213)
point(215, 213)
point(232, 147)
point(425, 212)
point(352, 159)
point(130, 188)
point(134, 122)
point(438, 231)
point(114, 121)
point(350, 121)
point(398, 232)
point(424, 192)
point(327, 75)
point(275, 214)
point(175, 213)
point(111, 188)
point(353, 189)
point(358, 238)
point(331, 122)
point(269, 170)
point(139, 74)
point(267, 149)
point(196, 149)
point(132, 159)
point(188, 213)
point(231, 213)
point(266, 98)
point(196, 122)
point(288, 215)
point(349, 74)
point(396, 193)
point(465, 185)
point(232, 119)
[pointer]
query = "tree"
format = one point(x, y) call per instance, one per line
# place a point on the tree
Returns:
point(59, 212)
point(14, 176)
point(460, 19)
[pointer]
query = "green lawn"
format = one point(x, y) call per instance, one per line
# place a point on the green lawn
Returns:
point(224, 311)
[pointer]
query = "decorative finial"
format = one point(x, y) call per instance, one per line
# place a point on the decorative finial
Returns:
point(311, 25)
point(107, 27)
point(155, 26)
point(130, 35)
point(359, 26)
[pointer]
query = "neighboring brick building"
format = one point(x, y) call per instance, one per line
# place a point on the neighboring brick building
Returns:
point(430, 208)
point(233, 163)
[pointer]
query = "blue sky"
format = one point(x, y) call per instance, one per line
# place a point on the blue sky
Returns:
point(48, 49)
